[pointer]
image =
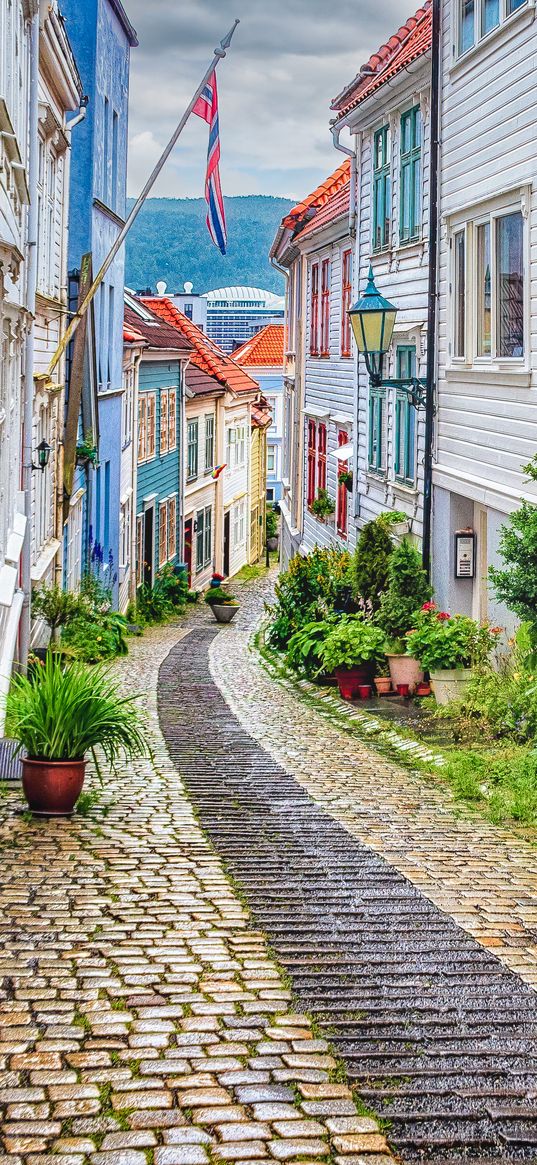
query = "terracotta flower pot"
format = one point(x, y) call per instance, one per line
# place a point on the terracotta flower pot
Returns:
point(405, 670)
point(224, 612)
point(350, 679)
point(52, 787)
point(383, 685)
point(423, 689)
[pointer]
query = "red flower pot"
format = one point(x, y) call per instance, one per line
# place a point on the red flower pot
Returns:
point(350, 679)
point(364, 691)
point(52, 787)
point(403, 689)
point(423, 690)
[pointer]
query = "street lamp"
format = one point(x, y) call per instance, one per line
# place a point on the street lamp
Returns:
point(43, 455)
point(372, 321)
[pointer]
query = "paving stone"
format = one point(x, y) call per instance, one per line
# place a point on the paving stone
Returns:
point(285, 1150)
point(244, 1131)
point(240, 1151)
point(119, 1157)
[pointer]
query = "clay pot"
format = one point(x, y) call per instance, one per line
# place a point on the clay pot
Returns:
point(383, 685)
point(52, 787)
point(423, 689)
point(364, 691)
point(403, 690)
point(450, 684)
point(405, 670)
point(224, 612)
point(350, 679)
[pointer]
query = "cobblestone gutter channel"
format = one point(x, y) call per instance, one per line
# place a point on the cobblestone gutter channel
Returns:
point(438, 1035)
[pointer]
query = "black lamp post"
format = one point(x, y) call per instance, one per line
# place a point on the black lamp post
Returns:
point(43, 455)
point(372, 321)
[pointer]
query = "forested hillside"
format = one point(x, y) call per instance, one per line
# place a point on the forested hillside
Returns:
point(170, 241)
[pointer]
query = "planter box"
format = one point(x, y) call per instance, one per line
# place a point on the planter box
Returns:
point(449, 684)
point(405, 670)
point(224, 612)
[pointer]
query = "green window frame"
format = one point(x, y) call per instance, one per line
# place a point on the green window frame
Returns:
point(209, 442)
point(405, 419)
point(377, 430)
point(410, 212)
point(382, 189)
point(192, 449)
point(200, 539)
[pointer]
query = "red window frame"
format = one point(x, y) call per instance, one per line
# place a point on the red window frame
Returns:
point(321, 456)
point(342, 491)
point(325, 308)
point(346, 296)
point(314, 311)
point(312, 460)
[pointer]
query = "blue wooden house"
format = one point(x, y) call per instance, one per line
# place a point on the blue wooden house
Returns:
point(102, 37)
point(160, 460)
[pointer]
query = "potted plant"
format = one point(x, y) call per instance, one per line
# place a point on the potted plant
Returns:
point(271, 525)
point(383, 683)
point(87, 452)
point(407, 590)
point(352, 649)
point(345, 478)
point(59, 714)
point(224, 605)
point(217, 580)
point(449, 647)
point(323, 506)
point(305, 647)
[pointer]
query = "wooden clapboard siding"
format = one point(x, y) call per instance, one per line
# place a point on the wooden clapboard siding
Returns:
point(487, 422)
point(161, 476)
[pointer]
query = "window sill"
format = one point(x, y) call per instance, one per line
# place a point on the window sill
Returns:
point(405, 488)
point(377, 475)
point(518, 20)
point(518, 377)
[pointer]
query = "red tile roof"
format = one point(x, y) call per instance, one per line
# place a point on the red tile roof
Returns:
point(411, 41)
point(206, 355)
point(264, 350)
point(321, 195)
point(261, 414)
point(200, 383)
point(337, 207)
point(131, 336)
point(156, 332)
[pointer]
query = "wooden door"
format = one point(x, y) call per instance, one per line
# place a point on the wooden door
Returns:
point(227, 542)
point(188, 550)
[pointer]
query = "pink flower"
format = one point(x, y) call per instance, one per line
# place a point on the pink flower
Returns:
point(429, 607)
point(443, 615)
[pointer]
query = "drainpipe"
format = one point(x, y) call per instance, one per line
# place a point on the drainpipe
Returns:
point(354, 233)
point(433, 286)
point(28, 383)
point(336, 132)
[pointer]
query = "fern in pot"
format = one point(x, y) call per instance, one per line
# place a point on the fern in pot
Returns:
point(59, 714)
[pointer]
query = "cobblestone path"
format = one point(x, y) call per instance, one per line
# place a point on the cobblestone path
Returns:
point(437, 1033)
point(143, 1020)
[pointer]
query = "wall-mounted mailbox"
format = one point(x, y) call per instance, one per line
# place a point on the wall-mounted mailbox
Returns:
point(465, 551)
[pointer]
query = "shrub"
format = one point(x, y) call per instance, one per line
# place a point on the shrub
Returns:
point(441, 641)
point(516, 583)
point(166, 598)
point(408, 589)
point(94, 638)
point(219, 596)
point(350, 643)
point(57, 607)
point(63, 712)
point(271, 523)
point(502, 702)
point(372, 559)
point(312, 586)
point(323, 505)
point(305, 647)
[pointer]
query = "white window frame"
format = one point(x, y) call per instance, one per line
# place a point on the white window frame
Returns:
point(126, 406)
point(469, 220)
point(505, 18)
point(239, 524)
point(125, 526)
point(209, 441)
point(73, 557)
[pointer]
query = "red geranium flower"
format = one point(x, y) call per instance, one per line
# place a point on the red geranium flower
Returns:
point(429, 607)
point(443, 615)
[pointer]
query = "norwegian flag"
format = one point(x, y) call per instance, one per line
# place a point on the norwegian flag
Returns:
point(207, 107)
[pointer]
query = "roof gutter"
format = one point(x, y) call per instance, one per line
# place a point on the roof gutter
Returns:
point(336, 131)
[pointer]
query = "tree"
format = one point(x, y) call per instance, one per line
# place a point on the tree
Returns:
point(515, 584)
point(408, 589)
point(371, 561)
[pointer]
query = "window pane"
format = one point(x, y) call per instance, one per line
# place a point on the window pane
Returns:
point(483, 290)
point(512, 5)
point(466, 28)
point(459, 347)
point(490, 15)
point(510, 285)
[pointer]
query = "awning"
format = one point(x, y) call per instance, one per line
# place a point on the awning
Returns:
point(343, 452)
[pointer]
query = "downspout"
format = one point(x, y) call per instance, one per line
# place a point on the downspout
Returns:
point(354, 233)
point(31, 290)
point(433, 287)
point(336, 132)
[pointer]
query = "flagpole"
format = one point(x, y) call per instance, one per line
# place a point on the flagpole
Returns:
point(218, 55)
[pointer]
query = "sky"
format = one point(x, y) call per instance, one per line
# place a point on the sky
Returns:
point(288, 59)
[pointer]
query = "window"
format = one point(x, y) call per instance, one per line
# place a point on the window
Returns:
point(163, 423)
point(271, 401)
point(126, 406)
point(484, 291)
point(342, 491)
point(239, 524)
point(151, 424)
point(271, 459)
point(111, 321)
point(312, 460)
point(125, 519)
point(192, 449)
point(314, 311)
point(73, 558)
point(172, 419)
point(139, 550)
point(410, 175)
point(208, 548)
point(42, 486)
point(459, 344)
point(270, 493)
point(47, 193)
point(115, 146)
point(162, 533)
point(346, 298)
point(106, 148)
point(188, 310)
point(142, 427)
point(231, 438)
point(209, 443)
point(146, 426)
point(510, 286)
point(321, 456)
point(172, 527)
point(204, 524)
point(377, 430)
point(325, 308)
point(382, 189)
point(240, 446)
point(405, 419)
point(479, 17)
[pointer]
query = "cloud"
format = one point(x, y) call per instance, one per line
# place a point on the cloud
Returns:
point(287, 61)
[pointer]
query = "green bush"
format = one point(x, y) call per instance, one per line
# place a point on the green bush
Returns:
point(310, 589)
point(219, 596)
point(441, 641)
point(372, 560)
point(271, 523)
point(305, 647)
point(350, 643)
point(515, 584)
point(165, 599)
point(501, 703)
point(408, 589)
point(323, 505)
point(94, 638)
point(57, 607)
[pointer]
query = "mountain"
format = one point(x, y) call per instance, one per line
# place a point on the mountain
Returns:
point(170, 241)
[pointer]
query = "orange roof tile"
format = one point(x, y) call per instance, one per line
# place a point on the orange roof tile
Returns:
point(337, 207)
point(411, 41)
point(131, 336)
point(264, 350)
point(321, 195)
point(206, 354)
point(261, 414)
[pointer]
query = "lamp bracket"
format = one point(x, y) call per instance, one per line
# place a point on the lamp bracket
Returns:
point(415, 387)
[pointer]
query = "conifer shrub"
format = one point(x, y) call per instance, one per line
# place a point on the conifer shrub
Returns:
point(407, 590)
point(313, 586)
point(515, 584)
point(372, 559)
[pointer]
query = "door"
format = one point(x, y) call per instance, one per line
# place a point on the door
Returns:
point(188, 550)
point(149, 545)
point(227, 541)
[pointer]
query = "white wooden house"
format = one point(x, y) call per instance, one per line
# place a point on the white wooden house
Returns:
point(487, 356)
point(386, 108)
